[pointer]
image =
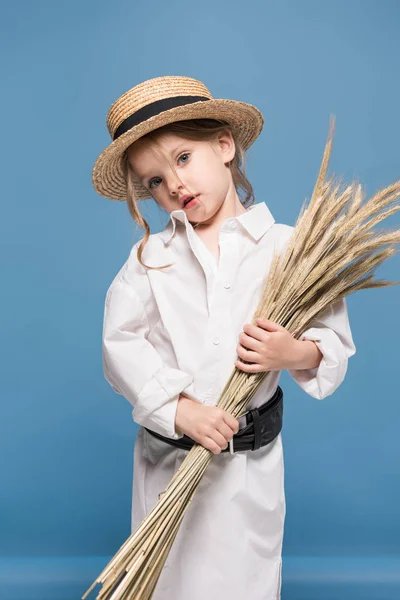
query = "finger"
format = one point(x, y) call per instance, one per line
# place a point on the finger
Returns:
point(255, 332)
point(249, 342)
point(231, 422)
point(209, 444)
point(253, 368)
point(248, 355)
point(226, 431)
point(269, 325)
point(219, 439)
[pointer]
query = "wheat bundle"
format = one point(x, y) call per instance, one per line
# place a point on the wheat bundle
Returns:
point(332, 253)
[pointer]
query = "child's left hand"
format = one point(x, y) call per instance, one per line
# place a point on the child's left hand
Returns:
point(271, 347)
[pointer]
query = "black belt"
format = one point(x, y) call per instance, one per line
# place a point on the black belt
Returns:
point(263, 424)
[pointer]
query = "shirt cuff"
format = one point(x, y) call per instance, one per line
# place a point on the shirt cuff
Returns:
point(323, 380)
point(158, 401)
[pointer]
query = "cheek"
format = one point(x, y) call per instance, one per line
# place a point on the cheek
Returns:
point(206, 167)
point(211, 179)
point(165, 203)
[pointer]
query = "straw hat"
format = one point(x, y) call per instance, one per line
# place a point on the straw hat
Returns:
point(155, 103)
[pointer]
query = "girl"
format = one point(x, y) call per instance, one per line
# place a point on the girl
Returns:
point(176, 322)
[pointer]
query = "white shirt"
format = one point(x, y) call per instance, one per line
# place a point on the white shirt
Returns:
point(177, 330)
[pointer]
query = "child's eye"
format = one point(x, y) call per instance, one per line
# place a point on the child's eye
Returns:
point(152, 181)
point(184, 154)
point(155, 178)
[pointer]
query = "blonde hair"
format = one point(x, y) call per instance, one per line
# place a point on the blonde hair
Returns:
point(191, 129)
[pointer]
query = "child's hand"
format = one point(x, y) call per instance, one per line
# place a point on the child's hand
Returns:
point(207, 425)
point(270, 347)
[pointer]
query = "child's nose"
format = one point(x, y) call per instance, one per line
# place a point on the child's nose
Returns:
point(175, 185)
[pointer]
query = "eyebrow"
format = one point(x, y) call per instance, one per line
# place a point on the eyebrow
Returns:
point(174, 151)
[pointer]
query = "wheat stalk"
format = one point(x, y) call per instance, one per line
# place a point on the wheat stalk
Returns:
point(331, 254)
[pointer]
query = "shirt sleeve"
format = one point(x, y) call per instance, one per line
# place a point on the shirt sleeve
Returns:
point(133, 367)
point(332, 334)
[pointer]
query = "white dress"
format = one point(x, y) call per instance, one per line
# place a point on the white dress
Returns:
point(177, 329)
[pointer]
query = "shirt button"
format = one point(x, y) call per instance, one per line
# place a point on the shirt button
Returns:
point(216, 341)
point(227, 286)
point(233, 224)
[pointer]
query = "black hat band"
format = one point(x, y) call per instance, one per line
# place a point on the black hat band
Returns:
point(153, 109)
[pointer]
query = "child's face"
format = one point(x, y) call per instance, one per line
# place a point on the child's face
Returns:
point(201, 169)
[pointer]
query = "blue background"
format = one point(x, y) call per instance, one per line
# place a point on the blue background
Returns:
point(66, 438)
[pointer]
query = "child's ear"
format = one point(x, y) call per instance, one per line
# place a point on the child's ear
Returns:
point(227, 145)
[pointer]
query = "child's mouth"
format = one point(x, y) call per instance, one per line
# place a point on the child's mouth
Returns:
point(191, 202)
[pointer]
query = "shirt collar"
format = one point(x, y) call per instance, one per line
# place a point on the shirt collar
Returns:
point(256, 220)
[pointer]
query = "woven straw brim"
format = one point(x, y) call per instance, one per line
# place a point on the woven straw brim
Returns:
point(108, 176)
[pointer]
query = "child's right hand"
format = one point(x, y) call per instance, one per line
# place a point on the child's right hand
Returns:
point(210, 426)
